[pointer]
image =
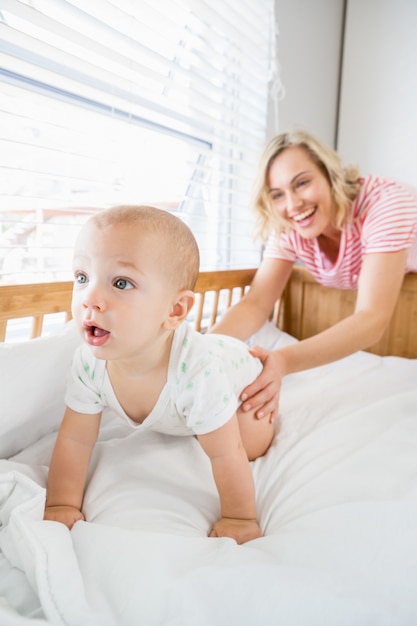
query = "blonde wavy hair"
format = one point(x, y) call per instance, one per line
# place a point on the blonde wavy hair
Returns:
point(343, 181)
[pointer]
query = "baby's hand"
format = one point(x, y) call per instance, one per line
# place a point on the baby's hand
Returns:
point(63, 513)
point(241, 530)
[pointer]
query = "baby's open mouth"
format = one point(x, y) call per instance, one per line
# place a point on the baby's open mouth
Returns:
point(98, 332)
point(95, 335)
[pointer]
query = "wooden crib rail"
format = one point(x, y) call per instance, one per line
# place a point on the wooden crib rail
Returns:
point(34, 301)
point(305, 308)
point(229, 284)
point(215, 291)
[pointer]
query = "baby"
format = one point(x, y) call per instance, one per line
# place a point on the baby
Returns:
point(135, 268)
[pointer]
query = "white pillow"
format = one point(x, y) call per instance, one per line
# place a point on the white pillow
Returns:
point(33, 377)
point(271, 338)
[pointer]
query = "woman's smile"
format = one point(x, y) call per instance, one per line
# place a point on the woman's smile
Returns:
point(301, 218)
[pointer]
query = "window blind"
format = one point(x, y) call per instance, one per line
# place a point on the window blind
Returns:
point(130, 101)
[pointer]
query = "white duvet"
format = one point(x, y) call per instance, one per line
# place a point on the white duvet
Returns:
point(337, 502)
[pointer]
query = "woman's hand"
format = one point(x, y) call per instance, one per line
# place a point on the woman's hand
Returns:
point(264, 391)
point(65, 514)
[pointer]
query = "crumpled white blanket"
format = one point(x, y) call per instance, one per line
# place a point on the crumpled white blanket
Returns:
point(337, 502)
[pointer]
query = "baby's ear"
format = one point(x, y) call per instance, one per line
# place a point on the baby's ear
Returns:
point(180, 309)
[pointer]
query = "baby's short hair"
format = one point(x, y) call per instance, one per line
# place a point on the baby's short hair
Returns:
point(178, 245)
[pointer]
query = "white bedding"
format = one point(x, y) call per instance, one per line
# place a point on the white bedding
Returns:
point(337, 502)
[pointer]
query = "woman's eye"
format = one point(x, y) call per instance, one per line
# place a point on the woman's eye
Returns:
point(81, 279)
point(123, 283)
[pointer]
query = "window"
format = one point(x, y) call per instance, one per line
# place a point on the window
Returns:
point(129, 101)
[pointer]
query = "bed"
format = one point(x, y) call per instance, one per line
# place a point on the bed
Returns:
point(337, 491)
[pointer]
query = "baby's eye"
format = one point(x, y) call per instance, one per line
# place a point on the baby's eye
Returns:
point(123, 283)
point(80, 278)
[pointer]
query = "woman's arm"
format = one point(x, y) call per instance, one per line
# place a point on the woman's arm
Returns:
point(248, 315)
point(69, 466)
point(233, 477)
point(379, 287)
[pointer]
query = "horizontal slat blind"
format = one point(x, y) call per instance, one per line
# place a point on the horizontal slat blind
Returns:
point(130, 101)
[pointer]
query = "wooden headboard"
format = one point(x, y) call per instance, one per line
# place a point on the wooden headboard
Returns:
point(305, 309)
point(309, 308)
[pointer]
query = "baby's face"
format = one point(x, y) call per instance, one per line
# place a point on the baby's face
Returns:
point(121, 296)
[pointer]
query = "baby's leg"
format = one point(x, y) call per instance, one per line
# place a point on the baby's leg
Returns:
point(256, 434)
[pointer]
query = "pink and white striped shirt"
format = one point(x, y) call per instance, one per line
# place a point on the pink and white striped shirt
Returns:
point(384, 220)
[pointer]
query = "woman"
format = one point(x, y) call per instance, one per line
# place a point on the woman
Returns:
point(350, 232)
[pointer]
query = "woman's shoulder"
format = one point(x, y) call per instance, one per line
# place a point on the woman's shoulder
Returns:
point(384, 193)
point(375, 182)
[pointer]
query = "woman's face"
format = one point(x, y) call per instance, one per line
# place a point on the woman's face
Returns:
point(301, 194)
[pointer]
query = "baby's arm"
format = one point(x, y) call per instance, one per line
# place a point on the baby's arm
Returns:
point(69, 466)
point(234, 481)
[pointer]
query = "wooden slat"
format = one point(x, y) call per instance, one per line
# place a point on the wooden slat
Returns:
point(200, 310)
point(37, 326)
point(214, 308)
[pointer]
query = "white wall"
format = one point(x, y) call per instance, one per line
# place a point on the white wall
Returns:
point(378, 115)
point(309, 46)
point(378, 102)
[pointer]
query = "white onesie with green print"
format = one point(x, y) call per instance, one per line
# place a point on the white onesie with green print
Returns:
point(206, 374)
